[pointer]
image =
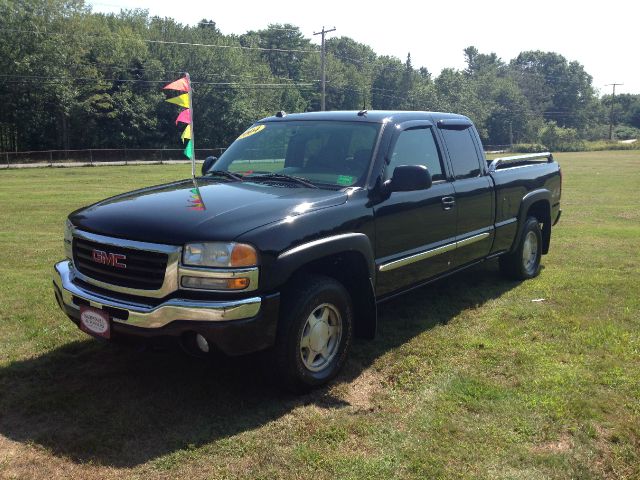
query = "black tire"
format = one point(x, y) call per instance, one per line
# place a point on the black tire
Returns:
point(307, 295)
point(524, 262)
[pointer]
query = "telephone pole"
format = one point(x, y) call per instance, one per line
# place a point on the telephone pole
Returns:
point(613, 97)
point(323, 56)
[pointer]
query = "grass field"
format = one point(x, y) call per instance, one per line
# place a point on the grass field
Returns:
point(473, 377)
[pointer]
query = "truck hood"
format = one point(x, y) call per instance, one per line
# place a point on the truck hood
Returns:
point(205, 209)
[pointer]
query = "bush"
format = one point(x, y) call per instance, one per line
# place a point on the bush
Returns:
point(607, 145)
point(529, 148)
point(625, 132)
point(580, 146)
point(561, 139)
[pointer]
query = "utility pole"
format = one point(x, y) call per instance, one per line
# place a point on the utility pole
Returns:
point(510, 135)
point(613, 97)
point(323, 57)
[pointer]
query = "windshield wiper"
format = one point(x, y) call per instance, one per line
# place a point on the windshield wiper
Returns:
point(284, 176)
point(224, 173)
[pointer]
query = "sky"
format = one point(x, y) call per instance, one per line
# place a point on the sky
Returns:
point(601, 36)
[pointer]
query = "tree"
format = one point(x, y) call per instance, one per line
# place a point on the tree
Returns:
point(557, 89)
point(77, 79)
point(286, 47)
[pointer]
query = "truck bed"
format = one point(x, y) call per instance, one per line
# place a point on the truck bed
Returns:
point(501, 163)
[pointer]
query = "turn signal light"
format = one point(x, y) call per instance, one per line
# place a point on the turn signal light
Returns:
point(204, 283)
point(243, 256)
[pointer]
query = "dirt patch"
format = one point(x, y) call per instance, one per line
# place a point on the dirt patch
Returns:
point(20, 461)
point(360, 392)
point(627, 215)
point(562, 445)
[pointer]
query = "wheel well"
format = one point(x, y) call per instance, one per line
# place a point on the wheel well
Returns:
point(351, 270)
point(542, 211)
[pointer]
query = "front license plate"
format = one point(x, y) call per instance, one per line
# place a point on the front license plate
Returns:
point(95, 322)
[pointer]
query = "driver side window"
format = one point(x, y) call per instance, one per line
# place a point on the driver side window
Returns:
point(416, 146)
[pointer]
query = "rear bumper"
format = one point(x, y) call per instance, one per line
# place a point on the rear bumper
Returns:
point(234, 326)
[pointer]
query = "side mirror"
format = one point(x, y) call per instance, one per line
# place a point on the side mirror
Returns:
point(208, 163)
point(407, 178)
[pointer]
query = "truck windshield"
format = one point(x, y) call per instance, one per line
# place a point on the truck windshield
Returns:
point(325, 153)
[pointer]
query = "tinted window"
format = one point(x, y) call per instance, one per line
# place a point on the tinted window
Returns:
point(416, 147)
point(462, 151)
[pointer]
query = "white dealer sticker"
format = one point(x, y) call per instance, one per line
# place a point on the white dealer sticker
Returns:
point(95, 322)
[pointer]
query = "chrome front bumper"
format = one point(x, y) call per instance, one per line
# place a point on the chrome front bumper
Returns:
point(151, 316)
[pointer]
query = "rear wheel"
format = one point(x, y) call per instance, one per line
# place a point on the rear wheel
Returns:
point(315, 333)
point(524, 261)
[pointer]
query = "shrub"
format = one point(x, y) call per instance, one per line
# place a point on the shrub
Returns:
point(561, 139)
point(625, 132)
point(529, 148)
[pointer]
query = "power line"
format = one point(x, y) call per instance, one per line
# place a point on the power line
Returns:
point(169, 42)
point(117, 67)
point(241, 47)
point(62, 80)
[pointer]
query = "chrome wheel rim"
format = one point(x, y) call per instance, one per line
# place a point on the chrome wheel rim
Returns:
point(530, 251)
point(320, 338)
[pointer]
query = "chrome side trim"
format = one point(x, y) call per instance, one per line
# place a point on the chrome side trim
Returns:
point(170, 283)
point(251, 273)
point(150, 316)
point(475, 238)
point(316, 243)
point(504, 223)
point(385, 267)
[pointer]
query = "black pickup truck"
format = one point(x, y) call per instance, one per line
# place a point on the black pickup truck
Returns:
point(299, 230)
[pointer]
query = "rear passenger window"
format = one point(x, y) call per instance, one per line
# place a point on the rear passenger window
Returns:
point(416, 146)
point(462, 151)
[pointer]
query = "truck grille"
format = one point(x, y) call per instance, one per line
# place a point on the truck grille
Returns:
point(144, 270)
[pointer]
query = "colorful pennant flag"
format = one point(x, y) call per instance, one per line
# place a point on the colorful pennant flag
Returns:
point(186, 134)
point(196, 202)
point(180, 100)
point(188, 151)
point(182, 85)
point(184, 117)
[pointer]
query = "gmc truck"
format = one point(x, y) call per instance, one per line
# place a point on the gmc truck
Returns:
point(291, 239)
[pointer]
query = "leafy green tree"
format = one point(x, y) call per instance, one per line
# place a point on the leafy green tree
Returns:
point(287, 47)
point(557, 89)
point(77, 79)
point(385, 88)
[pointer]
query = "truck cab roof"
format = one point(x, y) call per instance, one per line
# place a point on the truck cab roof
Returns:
point(371, 116)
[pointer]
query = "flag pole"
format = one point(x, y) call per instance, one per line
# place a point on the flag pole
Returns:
point(193, 145)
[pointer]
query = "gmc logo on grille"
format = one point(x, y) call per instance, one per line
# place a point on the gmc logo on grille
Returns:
point(110, 259)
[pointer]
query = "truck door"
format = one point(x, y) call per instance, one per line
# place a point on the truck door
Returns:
point(474, 193)
point(415, 231)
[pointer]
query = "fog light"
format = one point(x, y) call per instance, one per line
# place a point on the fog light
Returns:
point(202, 343)
point(204, 283)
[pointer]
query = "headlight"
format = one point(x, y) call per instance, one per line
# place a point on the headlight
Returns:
point(220, 255)
point(68, 238)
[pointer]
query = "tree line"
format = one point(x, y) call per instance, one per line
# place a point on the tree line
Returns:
point(75, 79)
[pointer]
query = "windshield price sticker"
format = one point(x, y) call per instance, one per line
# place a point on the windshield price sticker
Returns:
point(252, 131)
point(345, 180)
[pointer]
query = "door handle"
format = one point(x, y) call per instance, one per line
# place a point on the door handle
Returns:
point(448, 203)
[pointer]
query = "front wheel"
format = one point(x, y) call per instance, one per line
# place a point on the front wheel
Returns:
point(315, 332)
point(524, 262)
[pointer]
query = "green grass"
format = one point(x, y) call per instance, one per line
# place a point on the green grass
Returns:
point(468, 378)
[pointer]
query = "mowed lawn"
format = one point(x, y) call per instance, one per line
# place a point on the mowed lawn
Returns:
point(472, 377)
